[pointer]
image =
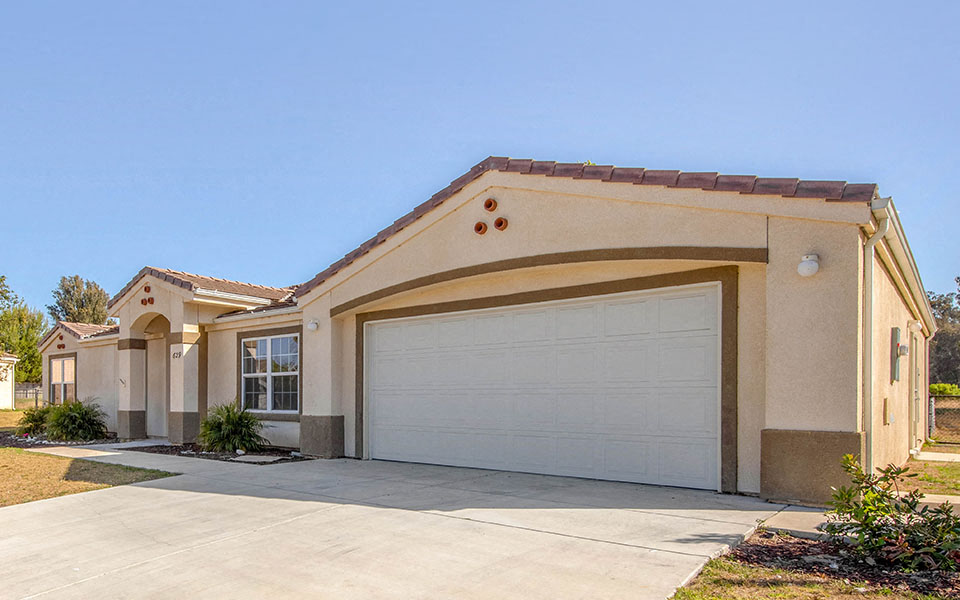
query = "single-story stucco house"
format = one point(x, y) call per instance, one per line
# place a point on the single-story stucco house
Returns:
point(730, 333)
point(8, 366)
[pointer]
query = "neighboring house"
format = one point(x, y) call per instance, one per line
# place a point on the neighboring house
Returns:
point(730, 333)
point(8, 365)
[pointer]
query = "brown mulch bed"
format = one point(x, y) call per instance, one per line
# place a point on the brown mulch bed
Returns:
point(195, 451)
point(11, 440)
point(776, 551)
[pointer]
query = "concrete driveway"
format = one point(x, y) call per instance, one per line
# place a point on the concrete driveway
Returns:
point(362, 529)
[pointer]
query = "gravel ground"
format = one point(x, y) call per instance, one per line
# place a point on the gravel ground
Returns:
point(194, 451)
point(11, 440)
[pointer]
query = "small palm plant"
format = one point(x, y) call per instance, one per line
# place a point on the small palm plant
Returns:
point(230, 428)
point(33, 421)
point(76, 421)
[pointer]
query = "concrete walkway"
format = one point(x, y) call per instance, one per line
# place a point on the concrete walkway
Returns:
point(938, 456)
point(362, 529)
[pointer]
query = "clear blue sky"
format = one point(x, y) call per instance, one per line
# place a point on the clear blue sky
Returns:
point(261, 141)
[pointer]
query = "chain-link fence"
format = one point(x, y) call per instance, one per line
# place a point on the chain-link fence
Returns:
point(27, 396)
point(945, 418)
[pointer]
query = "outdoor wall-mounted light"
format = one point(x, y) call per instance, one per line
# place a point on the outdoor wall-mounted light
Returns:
point(915, 325)
point(809, 265)
point(313, 325)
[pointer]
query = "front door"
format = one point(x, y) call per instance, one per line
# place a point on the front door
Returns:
point(157, 396)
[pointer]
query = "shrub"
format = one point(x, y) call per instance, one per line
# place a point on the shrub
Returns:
point(33, 421)
point(76, 421)
point(230, 428)
point(891, 526)
point(944, 389)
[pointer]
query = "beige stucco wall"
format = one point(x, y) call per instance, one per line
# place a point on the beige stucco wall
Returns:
point(812, 327)
point(97, 378)
point(222, 370)
point(96, 370)
point(891, 437)
point(7, 385)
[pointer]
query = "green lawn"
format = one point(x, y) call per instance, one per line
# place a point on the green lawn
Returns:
point(936, 477)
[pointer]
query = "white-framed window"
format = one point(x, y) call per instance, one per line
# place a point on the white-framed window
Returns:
point(270, 369)
point(63, 380)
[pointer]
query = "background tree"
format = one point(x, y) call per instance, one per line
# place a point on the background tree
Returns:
point(79, 301)
point(7, 297)
point(21, 329)
point(945, 345)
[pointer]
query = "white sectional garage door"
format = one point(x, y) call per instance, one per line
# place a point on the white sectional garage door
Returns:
point(621, 387)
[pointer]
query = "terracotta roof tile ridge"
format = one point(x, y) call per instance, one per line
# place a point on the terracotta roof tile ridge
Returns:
point(831, 191)
point(185, 274)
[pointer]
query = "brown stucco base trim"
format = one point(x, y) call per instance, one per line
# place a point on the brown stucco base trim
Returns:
point(321, 435)
point(132, 344)
point(801, 466)
point(723, 254)
point(727, 276)
point(131, 424)
point(183, 427)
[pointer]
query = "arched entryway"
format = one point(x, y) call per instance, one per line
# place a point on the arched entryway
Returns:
point(156, 334)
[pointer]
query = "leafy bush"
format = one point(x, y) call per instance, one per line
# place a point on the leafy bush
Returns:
point(891, 526)
point(33, 421)
point(76, 421)
point(944, 389)
point(230, 428)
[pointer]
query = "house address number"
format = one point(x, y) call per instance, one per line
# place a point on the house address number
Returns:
point(178, 354)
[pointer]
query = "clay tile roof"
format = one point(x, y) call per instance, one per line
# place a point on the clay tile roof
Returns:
point(191, 281)
point(745, 184)
point(87, 330)
point(81, 331)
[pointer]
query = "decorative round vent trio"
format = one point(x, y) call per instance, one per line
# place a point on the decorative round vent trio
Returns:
point(500, 223)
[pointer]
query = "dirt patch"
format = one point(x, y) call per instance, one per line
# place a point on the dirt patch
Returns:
point(28, 476)
point(195, 451)
point(837, 562)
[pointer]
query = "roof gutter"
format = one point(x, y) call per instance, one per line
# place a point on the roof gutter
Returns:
point(218, 297)
point(880, 208)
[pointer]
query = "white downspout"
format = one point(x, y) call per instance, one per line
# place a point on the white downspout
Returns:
point(880, 207)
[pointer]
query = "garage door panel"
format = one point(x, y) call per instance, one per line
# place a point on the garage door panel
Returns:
point(455, 333)
point(630, 318)
point(630, 362)
point(535, 326)
point(534, 409)
point(630, 460)
point(621, 388)
point(494, 329)
point(686, 463)
point(577, 323)
point(687, 313)
point(687, 412)
point(689, 360)
point(577, 411)
point(534, 366)
point(578, 365)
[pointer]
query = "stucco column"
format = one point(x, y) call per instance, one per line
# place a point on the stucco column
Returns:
point(184, 420)
point(131, 386)
point(321, 421)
